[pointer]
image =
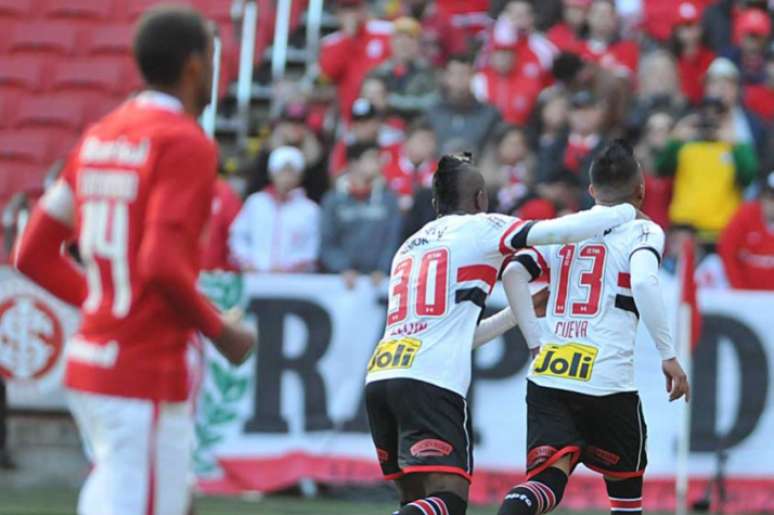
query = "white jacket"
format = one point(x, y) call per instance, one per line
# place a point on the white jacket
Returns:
point(273, 236)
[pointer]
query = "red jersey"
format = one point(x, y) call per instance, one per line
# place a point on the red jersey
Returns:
point(225, 207)
point(620, 56)
point(143, 166)
point(746, 247)
point(514, 95)
point(759, 98)
point(692, 70)
point(346, 60)
point(565, 38)
point(403, 177)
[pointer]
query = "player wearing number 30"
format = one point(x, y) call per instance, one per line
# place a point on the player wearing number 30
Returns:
point(135, 194)
point(582, 404)
point(419, 374)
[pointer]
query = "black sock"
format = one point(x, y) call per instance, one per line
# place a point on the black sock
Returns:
point(625, 496)
point(539, 495)
point(440, 503)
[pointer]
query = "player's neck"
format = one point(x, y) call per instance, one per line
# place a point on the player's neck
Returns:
point(189, 106)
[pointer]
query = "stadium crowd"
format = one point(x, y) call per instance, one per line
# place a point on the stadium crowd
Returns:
point(534, 90)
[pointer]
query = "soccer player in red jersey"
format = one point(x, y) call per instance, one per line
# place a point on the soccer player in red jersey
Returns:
point(135, 194)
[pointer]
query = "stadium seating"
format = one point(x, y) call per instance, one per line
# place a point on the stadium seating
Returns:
point(64, 64)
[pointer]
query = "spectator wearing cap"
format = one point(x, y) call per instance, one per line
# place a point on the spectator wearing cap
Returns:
point(759, 98)
point(746, 246)
point(409, 79)
point(348, 55)
point(367, 126)
point(459, 120)
point(604, 44)
point(567, 34)
point(410, 165)
point(361, 221)
point(504, 84)
point(277, 229)
point(688, 44)
point(290, 129)
point(752, 28)
point(722, 82)
point(710, 168)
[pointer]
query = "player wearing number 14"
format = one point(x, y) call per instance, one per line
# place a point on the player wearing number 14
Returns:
point(135, 194)
point(419, 374)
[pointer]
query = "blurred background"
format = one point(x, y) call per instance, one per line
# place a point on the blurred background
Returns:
point(330, 118)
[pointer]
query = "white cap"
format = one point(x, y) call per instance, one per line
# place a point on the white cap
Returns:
point(286, 156)
point(724, 68)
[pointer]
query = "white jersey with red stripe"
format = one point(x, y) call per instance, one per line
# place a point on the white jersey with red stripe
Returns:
point(441, 277)
point(587, 345)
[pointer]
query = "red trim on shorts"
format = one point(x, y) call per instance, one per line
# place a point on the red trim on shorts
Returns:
point(394, 475)
point(485, 273)
point(556, 457)
point(615, 474)
point(443, 469)
point(152, 441)
point(504, 247)
point(626, 504)
point(624, 280)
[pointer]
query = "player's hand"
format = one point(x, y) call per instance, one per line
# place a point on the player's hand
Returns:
point(350, 278)
point(676, 380)
point(235, 342)
point(540, 302)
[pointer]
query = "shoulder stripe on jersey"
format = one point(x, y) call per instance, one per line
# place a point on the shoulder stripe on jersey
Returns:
point(626, 303)
point(485, 273)
point(475, 295)
point(504, 249)
point(653, 250)
point(624, 280)
point(529, 263)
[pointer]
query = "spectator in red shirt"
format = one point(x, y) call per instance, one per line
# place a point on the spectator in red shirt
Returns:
point(410, 165)
point(604, 44)
point(759, 98)
point(225, 207)
point(752, 28)
point(367, 127)
point(504, 84)
point(585, 138)
point(346, 56)
point(693, 55)
point(566, 34)
point(747, 243)
point(658, 190)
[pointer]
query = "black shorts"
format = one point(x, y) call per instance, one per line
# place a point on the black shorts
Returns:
point(419, 427)
point(606, 433)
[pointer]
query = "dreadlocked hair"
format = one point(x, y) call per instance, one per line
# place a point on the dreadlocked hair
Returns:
point(446, 180)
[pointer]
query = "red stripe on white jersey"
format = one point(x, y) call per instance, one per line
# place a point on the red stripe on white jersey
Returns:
point(505, 248)
point(485, 273)
point(624, 280)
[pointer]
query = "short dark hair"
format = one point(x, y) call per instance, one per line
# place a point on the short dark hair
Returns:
point(165, 38)
point(446, 180)
point(615, 167)
point(356, 150)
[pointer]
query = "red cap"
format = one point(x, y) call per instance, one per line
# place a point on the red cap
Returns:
point(753, 21)
point(687, 13)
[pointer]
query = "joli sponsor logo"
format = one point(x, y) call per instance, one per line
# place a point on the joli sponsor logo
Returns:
point(570, 361)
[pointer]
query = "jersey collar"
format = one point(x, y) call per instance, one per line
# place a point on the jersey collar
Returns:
point(159, 100)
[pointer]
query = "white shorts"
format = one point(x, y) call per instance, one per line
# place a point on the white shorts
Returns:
point(141, 452)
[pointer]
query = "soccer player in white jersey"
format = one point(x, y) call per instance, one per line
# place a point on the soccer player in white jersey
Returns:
point(419, 374)
point(582, 404)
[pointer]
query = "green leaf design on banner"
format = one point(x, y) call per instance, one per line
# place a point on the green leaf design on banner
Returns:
point(237, 390)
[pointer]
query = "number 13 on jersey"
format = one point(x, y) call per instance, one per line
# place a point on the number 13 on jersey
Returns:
point(432, 283)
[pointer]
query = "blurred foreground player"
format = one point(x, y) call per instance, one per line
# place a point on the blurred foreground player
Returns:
point(135, 194)
point(419, 374)
point(582, 404)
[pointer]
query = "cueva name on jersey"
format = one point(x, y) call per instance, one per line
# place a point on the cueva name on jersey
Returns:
point(570, 361)
point(392, 354)
point(117, 152)
point(572, 329)
point(112, 184)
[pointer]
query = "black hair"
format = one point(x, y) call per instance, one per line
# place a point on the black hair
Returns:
point(165, 38)
point(615, 167)
point(356, 150)
point(446, 181)
point(566, 66)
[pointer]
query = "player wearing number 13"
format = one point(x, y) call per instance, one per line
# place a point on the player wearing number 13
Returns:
point(135, 194)
point(419, 374)
point(582, 404)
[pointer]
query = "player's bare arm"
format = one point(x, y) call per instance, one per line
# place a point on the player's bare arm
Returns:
point(504, 320)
